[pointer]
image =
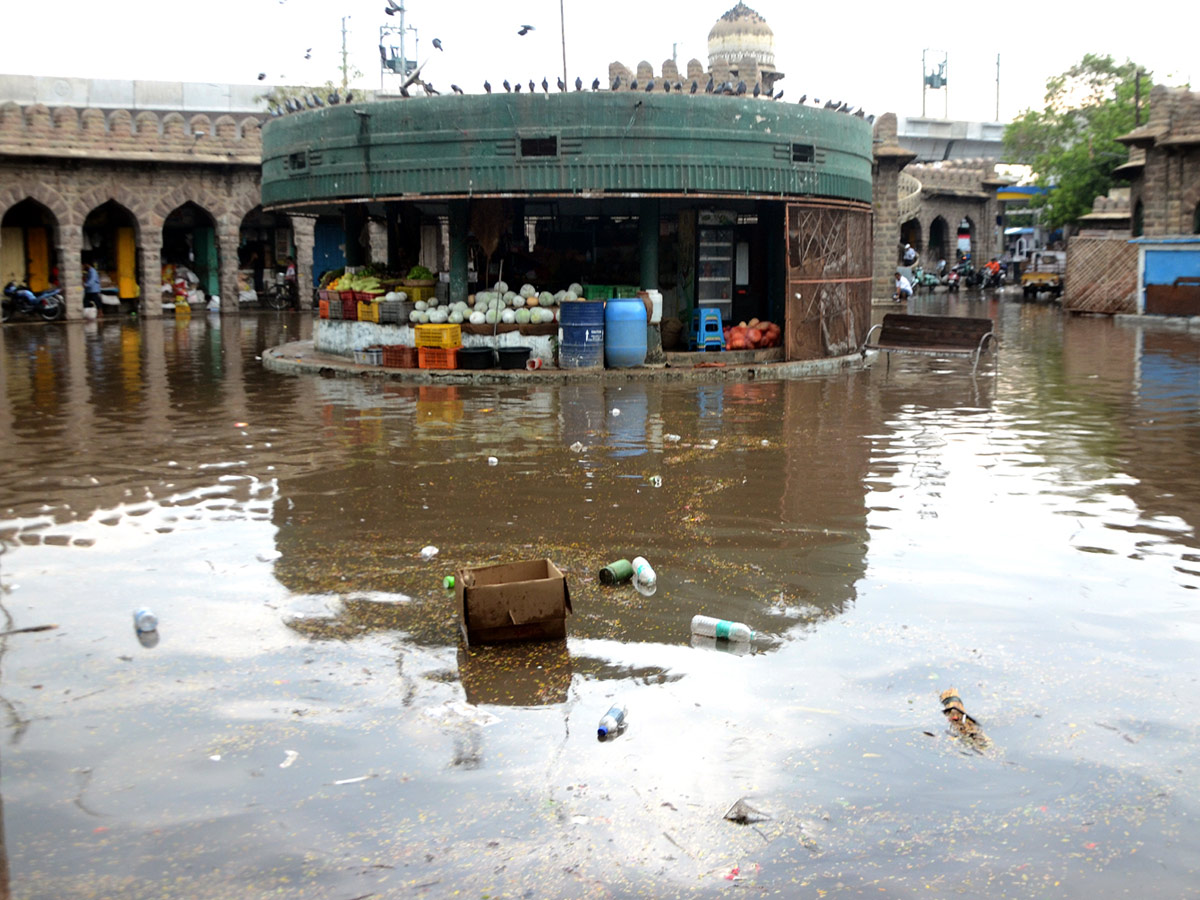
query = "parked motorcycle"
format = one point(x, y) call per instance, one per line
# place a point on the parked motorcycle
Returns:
point(968, 275)
point(20, 300)
point(922, 280)
point(952, 280)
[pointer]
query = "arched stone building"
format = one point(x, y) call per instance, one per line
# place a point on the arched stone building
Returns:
point(120, 188)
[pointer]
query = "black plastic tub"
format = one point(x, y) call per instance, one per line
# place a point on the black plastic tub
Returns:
point(476, 357)
point(513, 357)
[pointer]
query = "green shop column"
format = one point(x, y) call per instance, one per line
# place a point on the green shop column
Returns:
point(458, 250)
point(648, 242)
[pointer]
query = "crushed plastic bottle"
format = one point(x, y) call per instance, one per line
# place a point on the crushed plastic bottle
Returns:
point(613, 721)
point(577, 447)
point(722, 629)
point(144, 620)
point(429, 552)
point(643, 573)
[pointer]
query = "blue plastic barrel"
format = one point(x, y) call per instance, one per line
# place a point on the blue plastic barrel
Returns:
point(583, 334)
point(624, 333)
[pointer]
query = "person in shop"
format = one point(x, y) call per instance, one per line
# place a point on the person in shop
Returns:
point(256, 263)
point(91, 288)
point(290, 284)
point(910, 255)
point(903, 288)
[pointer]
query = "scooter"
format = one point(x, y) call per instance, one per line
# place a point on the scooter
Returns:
point(991, 279)
point(952, 280)
point(18, 299)
point(922, 280)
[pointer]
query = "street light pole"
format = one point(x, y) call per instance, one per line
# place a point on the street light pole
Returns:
point(345, 68)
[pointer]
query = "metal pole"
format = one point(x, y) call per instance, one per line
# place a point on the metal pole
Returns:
point(997, 87)
point(344, 68)
point(562, 19)
point(923, 52)
point(945, 89)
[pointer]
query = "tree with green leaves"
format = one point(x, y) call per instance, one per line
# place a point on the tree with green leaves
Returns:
point(1072, 143)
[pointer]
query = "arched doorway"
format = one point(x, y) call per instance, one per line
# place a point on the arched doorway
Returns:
point(964, 246)
point(265, 242)
point(910, 233)
point(189, 247)
point(28, 238)
point(939, 235)
point(110, 242)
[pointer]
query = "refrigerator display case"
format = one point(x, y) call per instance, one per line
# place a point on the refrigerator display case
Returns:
point(714, 261)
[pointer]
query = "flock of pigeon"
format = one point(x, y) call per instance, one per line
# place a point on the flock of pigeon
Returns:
point(310, 101)
point(727, 88)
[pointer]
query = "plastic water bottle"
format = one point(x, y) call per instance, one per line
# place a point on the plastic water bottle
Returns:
point(721, 628)
point(643, 573)
point(612, 721)
point(144, 620)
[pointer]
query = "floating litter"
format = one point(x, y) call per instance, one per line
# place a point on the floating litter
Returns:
point(429, 552)
point(492, 461)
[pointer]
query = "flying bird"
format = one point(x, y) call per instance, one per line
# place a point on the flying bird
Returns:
point(507, 86)
point(595, 84)
point(456, 89)
point(437, 42)
point(262, 76)
point(487, 87)
point(308, 53)
point(524, 30)
point(392, 7)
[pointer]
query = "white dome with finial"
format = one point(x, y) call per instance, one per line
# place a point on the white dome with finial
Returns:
point(741, 33)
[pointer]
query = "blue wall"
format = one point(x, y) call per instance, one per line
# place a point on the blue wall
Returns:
point(1164, 266)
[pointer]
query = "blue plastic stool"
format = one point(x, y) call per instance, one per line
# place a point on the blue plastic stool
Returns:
point(707, 333)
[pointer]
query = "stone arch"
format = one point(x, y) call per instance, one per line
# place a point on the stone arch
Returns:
point(174, 126)
point(225, 128)
point(190, 236)
point(40, 241)
point(911, 233)
point(12, 117)
point(92, 122)
point(11, 195)
point(147, 125)
point(200, 126)
point(37, 118)
point(66, 120)
point(967, 224)
point(197, 194)
point(117, 191)
point(249, 129)
point(939, 239)
point(120, 123)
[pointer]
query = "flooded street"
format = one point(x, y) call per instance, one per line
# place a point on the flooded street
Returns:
point(306, 724)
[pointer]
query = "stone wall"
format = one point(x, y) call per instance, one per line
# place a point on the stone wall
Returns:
point(1169, 187)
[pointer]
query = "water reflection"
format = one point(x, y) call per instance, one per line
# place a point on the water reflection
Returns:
point(1027, 535)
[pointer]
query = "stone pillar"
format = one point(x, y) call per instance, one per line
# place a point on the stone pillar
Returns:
point(458, 250)
point(890, 158)
point(303, 228)
point(227, 261)
point(150, 271)
point(354, 221)
point(648, 242)
point(70, 269)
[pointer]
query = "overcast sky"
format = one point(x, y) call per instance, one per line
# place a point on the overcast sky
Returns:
point(865, 53)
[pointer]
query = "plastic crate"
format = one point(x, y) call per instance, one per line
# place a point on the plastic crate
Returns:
point(369, 356)
point(335, 308)
point(323, 308)
point(440, 336)
point(347, 295)
point(394, 312)
point(349, 309)
point(435, 358)
point(368, 312)
point(398, 356)
point(420, 293)
point(624, 291)
point(597, 292)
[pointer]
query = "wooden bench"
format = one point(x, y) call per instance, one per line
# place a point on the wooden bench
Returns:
point(931, 336)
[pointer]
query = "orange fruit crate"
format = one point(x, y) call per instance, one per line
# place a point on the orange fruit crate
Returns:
point(398, 356)
point(435, 358)
point(441, 336)
point(324, 308)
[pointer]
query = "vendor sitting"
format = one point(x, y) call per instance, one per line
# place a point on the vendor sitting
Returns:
point(903, 288)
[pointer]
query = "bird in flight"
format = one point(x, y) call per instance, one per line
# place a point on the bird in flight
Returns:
point(308, 53)
point(262, 75)
point(437, 42)
point(524, 30)
point(392, 8)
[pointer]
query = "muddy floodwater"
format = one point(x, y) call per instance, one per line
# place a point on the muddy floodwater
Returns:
point(305, 722)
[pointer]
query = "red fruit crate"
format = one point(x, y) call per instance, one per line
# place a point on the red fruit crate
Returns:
point(435, 358)
point(349, 308)
point(398, 356)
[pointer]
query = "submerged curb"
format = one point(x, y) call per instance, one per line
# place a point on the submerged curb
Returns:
point(302, 358)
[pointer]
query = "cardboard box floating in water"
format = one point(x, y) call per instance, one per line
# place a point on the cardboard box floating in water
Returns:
point(513, 602)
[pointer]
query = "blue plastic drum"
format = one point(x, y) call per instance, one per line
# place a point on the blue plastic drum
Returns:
point(624, 333)
point(582, 345)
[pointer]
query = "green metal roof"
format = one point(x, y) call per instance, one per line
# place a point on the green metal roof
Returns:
point(620, 143)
